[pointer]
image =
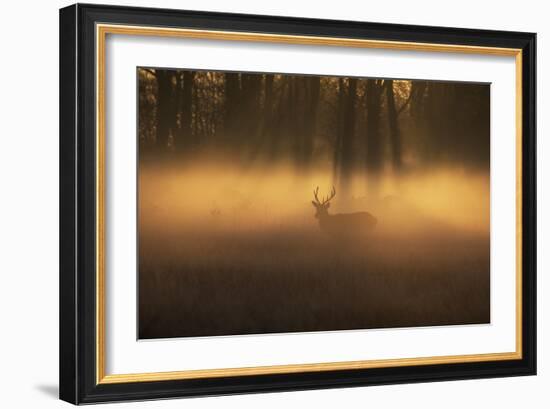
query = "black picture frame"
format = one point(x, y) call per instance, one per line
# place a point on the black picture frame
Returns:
point(78, 360)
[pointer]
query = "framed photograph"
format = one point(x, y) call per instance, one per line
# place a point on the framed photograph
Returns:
point(257, 203)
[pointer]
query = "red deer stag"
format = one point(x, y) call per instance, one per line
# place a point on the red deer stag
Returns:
point(342, 224)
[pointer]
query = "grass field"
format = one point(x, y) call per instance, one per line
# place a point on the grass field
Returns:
point(282, 282)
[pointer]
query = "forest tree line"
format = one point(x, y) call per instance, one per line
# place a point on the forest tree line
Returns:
point(347, 122)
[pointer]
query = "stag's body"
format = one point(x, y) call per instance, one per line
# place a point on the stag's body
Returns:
point(342, 224)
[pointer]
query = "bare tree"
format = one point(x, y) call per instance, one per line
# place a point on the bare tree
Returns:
point(395, 133)
point(231, 110)
point(373, 136)
point(183, 136)
point(348, 135)
point(312, 87)
point(166, 108)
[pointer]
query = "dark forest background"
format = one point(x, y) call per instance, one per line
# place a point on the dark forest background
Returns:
point(355, 124)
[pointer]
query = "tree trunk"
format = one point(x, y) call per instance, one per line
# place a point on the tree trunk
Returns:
point(187, 115)
point(348, 136)
point(339, 131)
point(313, 88)
point(291, 106)
point(268, 106)
point(374, 145)
point(184, 135)
point(165, 115)
point(395, 135)
point(251, 87)
point(232, 103)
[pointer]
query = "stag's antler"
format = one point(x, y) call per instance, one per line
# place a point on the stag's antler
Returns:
point(325, 199)
point(315, 191)
point(332, 194)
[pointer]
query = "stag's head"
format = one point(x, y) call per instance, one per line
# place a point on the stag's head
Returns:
point(321, 206)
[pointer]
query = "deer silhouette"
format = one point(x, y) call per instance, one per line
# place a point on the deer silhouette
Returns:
point(342, 224)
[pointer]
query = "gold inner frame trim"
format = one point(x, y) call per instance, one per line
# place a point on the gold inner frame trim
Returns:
point(101, 33)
